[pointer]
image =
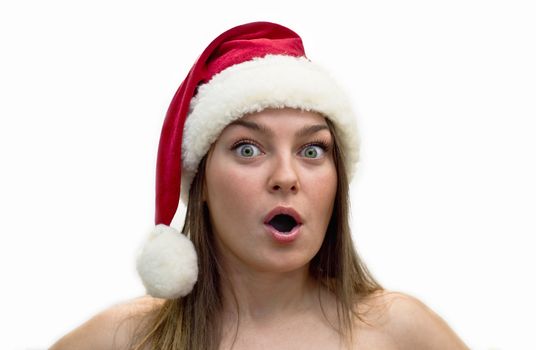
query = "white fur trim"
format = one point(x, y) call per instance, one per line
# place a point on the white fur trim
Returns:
point(167, 263)
point(273, 81)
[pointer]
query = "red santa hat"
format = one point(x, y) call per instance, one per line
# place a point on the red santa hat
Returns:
point(244, 70)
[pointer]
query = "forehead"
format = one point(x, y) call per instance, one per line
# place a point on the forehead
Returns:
point(286, 113)
point(276, 121)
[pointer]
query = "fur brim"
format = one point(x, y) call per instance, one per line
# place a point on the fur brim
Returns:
point(273, 81)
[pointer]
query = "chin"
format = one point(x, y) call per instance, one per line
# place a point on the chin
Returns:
point(279, 263)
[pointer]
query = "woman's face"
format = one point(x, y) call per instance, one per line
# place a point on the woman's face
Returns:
point(274, 159)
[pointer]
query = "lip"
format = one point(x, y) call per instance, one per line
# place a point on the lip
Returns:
point(283, 238)
point(283, 210)
point(278, 236)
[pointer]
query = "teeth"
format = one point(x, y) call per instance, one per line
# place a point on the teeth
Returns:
point(283, 222)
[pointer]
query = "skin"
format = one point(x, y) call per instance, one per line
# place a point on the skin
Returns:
point(396, 321)
point(276, 167)
point(273, 168)
point(273, 165)
point(276, 304)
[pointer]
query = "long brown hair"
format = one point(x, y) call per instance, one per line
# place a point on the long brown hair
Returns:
point(192, 322)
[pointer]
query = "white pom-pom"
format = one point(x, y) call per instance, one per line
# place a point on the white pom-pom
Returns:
point(167, 263)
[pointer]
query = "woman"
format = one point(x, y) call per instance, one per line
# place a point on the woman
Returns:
point(261, 144)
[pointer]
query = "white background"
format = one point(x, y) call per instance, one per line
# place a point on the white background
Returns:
point(444, 203)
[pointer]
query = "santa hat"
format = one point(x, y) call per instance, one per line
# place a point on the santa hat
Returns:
point(244, 70)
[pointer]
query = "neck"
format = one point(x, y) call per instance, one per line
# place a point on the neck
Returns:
point(263, 296)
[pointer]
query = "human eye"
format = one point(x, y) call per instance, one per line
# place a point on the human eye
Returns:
point(246, 149)
point(314, 150)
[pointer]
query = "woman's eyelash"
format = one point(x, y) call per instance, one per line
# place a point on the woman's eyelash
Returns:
point(244, 142)
point(320, 143)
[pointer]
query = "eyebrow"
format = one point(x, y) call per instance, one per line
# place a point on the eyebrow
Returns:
point(305, 131)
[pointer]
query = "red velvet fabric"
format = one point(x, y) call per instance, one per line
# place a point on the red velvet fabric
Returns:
point(237, 45)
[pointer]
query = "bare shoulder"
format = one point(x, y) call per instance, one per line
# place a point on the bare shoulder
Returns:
point(408, 322)
point(110, 329)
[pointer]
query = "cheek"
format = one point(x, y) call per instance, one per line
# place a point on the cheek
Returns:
point(321, 185)
point(224, 183)
point(321, 191)
point(230, 191)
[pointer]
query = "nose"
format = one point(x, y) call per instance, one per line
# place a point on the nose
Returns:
point(284, 177)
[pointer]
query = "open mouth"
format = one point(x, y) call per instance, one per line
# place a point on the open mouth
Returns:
point(283, 223)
